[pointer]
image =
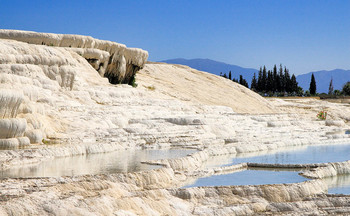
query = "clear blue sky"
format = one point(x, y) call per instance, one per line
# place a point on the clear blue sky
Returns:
point(303, 35)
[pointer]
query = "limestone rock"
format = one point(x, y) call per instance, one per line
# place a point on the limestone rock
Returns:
point(10, 101)
point(10, 128)
point(122, 62)
point(338, 123)
point(35, 136)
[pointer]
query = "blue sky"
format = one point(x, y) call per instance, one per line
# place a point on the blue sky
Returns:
point(303, 35)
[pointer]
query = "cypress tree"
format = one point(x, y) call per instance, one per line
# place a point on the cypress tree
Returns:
point(287, 80)
point(294, 84)
point(312, 88)
point(229, 75)
point(269, 82)
point(331, 88)
point(264, 80)
point(243, 81)
point(253, 85)
point(282, 86)
point(259, 84)
point(276, 81)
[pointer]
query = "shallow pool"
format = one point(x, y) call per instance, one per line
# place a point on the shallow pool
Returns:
point(297, 155)
point(250, 177)
point(291, 155)
point(113, 162)
point(338, 184)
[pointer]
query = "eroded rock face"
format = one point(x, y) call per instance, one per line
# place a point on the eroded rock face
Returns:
point(112, 60)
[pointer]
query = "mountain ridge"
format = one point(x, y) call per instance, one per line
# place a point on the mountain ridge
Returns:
point(323, 78)
point(215, 67)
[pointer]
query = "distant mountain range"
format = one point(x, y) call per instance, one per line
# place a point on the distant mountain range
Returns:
point(340, 77)
point(323, 78)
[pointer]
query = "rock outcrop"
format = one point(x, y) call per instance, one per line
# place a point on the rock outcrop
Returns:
point(11, 128)
point(112, 60)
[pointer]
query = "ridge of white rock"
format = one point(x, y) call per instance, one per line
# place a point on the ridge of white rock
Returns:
point(331, 169)
point(110, 59)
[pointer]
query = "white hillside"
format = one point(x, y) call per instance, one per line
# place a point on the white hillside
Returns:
point(187, 84)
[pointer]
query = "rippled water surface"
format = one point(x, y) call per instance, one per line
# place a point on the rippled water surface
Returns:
point(113, 162)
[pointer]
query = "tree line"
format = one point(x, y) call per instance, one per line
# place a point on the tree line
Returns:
point(275, 82)
point(278, 82)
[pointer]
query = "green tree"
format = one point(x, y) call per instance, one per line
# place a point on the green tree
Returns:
point(229, 75)
point(331, 88)
point(288, 85)
point(253, 85)
point(312, 88)
point(264, 80)
point(294, 84)
point(307, 93)
point(346, 89)
point(269, 82)
point(259, 84)
point(300, 91)
point(282, 85)
point(243, 81)
point(337, 92)
point(275, 79)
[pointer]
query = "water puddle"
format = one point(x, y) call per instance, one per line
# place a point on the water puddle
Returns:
point(298, 155)
point(251, 177)
point(339, 184)
point(290, 155)
point(113, 162)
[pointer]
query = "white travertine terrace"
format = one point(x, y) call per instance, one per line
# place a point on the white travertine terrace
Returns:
point(50, 93)
point(111, 59)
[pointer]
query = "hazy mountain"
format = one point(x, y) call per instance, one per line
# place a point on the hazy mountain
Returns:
point(340, 77)
point(216, 67)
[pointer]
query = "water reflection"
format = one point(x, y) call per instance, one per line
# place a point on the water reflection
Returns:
point(297, 155)
point(250, 177)
point(113, 162)
point(339, 184)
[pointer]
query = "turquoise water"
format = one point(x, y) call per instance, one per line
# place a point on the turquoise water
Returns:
point(250, 177)
point(113, 162)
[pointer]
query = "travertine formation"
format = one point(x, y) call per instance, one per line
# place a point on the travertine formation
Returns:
point(53, 94)
point(110, 59)
point(11, 128)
